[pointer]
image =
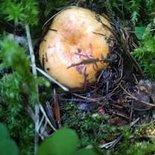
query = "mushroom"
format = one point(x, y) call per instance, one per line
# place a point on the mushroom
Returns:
point(75, 48)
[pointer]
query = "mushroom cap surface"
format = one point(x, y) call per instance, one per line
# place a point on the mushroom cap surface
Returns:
point(75, 47)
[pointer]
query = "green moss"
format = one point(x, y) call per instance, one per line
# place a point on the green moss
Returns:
point(91, 127)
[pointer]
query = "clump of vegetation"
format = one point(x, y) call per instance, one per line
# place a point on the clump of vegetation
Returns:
point(145, 53)
point(17, 92)
point(92, 127)
point(139, 12)
point(17, 83)
point(20, 12)
point(132, 144)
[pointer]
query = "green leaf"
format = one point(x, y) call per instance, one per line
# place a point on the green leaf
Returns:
point(85, 151)
point(8, 147)
point(139, 31)
point(4, 134)
point(62, 142)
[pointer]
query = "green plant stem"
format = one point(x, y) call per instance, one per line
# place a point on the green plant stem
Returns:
point(34, 71)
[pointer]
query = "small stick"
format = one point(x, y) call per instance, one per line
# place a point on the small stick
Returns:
point(56, 109)
point(85, 98)
point(34, 71)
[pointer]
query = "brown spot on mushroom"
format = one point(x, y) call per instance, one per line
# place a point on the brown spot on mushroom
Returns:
point(99, 33)
point(79, 68)
point(43, 61)
point(85, 78)
point(47, 68)
point(50, 47)
point(46, 58)
point(79, 50)
point(52, 30)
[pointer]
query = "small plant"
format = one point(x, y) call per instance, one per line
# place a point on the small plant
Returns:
point(145, 53)
point(16, 85)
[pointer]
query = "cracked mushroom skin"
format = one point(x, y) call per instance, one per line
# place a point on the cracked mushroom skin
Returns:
point(75, 47)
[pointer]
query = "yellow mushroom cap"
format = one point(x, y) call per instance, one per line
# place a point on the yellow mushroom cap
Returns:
point(75, 47)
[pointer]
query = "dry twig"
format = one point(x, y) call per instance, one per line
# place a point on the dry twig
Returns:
point(34, 71)
point(135, 98)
